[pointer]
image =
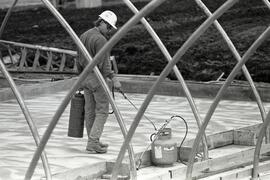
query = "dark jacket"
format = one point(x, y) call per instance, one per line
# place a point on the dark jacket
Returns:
point(93, 40)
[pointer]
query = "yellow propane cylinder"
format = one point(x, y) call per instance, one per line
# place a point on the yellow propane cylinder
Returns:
point(164, 149)
point(76, 117)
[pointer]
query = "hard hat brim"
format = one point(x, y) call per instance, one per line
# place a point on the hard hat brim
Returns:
point(108, 22)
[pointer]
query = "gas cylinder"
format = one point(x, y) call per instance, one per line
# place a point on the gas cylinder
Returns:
point(76, 117)
point(164, 149)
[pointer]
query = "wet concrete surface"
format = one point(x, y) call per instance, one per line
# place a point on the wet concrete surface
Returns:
point(64, 153)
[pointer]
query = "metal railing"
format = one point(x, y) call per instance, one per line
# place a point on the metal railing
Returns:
point(139, 16)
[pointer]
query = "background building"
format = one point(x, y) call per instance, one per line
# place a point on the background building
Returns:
point(64, 3)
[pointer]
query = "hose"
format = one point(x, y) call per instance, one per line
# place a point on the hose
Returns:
point(156, 135)
point(184, 136)
point(137, 109)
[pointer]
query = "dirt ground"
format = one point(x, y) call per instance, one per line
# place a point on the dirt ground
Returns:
point(174, 22)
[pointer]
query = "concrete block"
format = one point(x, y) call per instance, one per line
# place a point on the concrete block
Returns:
point(246, 136)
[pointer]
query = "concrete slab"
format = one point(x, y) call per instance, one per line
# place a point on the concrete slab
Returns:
point(64, 153)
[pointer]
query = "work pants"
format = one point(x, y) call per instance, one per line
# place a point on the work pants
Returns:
point(96, 111)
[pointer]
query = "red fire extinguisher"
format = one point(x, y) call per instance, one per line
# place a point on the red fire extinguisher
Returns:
point(76, 117)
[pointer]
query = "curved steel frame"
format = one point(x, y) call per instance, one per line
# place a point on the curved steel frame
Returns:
point(238, 58)
point(27, 116)
point(162, 76)
point(264, 131)
point(267, 3)
point(256, 158)
point(3, 25)
point(21, 102)
point(177, 73)
point(219, 95)
point(147, 9)
point(139, 16)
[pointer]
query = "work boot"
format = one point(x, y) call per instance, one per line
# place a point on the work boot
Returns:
point(95, 148)
point(103, 145)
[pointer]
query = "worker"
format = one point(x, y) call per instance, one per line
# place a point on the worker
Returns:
point(96, 102)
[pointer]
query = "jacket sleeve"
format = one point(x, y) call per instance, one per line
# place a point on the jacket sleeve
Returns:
point(105, 64)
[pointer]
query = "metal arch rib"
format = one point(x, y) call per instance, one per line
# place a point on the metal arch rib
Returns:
point(177, 73)
point(164, 73)
point(4, 23)
point(256, 158)
point(262, 133)
point(238, 58)
point(152, 5)
point(211, 110)
point(28, 118)
point(21, 102)
point(267, 3)
point(119, 118)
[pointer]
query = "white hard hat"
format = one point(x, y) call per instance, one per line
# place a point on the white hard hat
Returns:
point(109, 17)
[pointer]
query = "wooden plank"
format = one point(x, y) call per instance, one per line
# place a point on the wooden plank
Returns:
point(10, 55)
point(234, 160)
point(36, 62)
point(63, 62)
point(75, 69)
point(123, 173)
point(23, 58)
point(143, 159)
point(245, 137)
point(49, 62)
point(42, 48)
point(220, 139)
point(91, 172)
point(183, 153)
point(243, 173)
point(248, 135)
point(265, 176)
point(215, 140)
point(222, 164)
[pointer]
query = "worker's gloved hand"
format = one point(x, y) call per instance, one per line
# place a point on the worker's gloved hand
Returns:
point(116, 84)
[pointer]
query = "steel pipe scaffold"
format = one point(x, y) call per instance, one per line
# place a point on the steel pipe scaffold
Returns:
point(264, 132)
point(147, 9)
point(4, 23)
point(256, 158)
point(177, 73)
point(20, 100)
point(219, 95)
point(27, 116)
point(238, 58)
point(162, 76)
point(128, 134)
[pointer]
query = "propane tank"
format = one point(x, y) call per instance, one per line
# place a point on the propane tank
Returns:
point(76, 117)
point(164, 149)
